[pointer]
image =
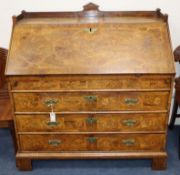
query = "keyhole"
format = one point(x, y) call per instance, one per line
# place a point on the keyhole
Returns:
point(90, 30)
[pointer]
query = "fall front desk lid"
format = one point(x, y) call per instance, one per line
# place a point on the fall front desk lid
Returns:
point(78, 45)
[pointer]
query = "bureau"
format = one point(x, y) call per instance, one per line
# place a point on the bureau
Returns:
point(90, 85)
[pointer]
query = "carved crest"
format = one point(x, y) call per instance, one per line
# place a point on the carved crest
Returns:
point(91, 7)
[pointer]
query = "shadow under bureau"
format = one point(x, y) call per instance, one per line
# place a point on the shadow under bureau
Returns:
point(90, 85)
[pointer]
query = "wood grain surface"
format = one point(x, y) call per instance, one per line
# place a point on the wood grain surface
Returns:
point(103, 142)
point(110, 49)
point(96, 82)
point(91, 101)
point(93, 123)
point(108, 76)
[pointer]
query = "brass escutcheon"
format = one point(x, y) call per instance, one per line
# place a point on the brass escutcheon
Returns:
point(51, 102)
point(128, 142)
point(129, 122)
point(90, 98)
point(131, 101)
point(91, 120)
point(90, 30)
point(92, 139)
point(52, 124)
point(54, 142)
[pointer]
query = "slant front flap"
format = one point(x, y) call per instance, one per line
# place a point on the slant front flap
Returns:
point(46, 46)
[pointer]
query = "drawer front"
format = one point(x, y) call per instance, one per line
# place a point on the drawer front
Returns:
point(98, 142)
point(92, 123)
point(90, 101)
point(92, 82)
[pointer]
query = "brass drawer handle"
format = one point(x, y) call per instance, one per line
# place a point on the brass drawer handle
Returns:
point(128, 142)
point(92, 139)
point(131, 101)
point(52, 124)
point(90, 30)
point(90, 98)
point(129, 122)
point(54, 142)
point(91, 120)
point(51, 102)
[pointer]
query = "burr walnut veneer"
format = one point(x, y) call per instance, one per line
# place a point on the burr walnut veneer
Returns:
point(106, 75)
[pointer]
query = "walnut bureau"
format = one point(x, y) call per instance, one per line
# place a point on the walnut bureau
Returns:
point(90, 85)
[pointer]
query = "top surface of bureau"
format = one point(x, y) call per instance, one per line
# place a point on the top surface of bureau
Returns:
point(90, 42)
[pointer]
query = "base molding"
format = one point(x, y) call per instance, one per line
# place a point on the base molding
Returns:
point(24, 160)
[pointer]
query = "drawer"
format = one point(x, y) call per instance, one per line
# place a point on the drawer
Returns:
point(90, 101)
point(91, 82)
point(92, 123)
point(97, 142)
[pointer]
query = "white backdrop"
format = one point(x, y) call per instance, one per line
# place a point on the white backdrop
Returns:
point(8, 8)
